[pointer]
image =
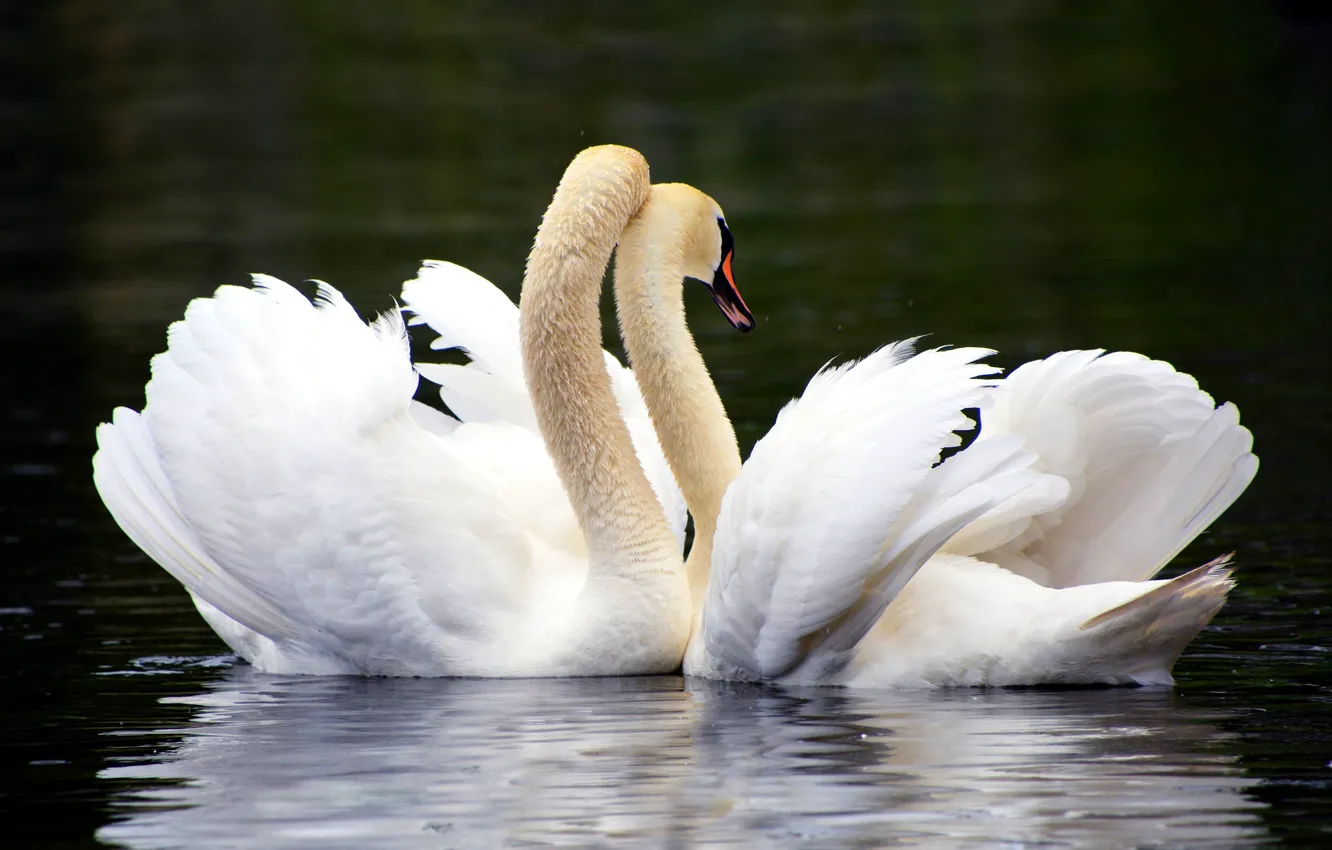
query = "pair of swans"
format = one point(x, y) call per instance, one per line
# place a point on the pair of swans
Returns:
point(324, 522)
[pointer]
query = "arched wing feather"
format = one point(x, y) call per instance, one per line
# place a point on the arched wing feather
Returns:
point(278, 473)
point(1149, 460)
point(840, 503)
point(472, 315)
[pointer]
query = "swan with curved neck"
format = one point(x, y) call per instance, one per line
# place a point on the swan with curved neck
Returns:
point(812, 563)
point(565, 368)
point(627, 535)
point(681, 233)
point(324, 522)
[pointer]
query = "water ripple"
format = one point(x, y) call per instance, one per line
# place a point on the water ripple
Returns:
point(294, 762)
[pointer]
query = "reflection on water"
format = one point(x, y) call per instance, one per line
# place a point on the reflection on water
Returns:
point(335, 762)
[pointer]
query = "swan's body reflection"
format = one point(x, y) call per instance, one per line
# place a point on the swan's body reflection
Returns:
point(331, 762)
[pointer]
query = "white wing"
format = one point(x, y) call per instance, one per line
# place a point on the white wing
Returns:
point(1149, 461)
point(277, 472)
point(472, 315)
point(129, 477)
point(841, 502)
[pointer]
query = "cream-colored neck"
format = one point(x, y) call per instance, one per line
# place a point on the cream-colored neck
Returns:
point(695, 433)
point(560, 329)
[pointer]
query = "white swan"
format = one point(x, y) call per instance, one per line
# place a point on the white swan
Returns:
point(812, 564)
point(326, 523)
point(1091, 472)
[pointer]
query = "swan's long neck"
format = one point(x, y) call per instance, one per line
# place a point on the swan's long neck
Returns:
point(696, 434)
point(560, 328)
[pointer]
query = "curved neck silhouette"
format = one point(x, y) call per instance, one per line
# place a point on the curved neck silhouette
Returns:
point(560, 330)
point(691, 422)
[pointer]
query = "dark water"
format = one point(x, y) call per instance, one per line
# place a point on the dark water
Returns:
point(1142, 175)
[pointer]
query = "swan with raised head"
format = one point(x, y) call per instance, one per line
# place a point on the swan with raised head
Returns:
point(842, 552)
point(324, 522)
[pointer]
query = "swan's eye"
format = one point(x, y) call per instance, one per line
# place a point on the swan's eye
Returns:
point(727, 241)
point(724, 291)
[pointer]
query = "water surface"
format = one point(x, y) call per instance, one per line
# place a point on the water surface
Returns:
point(587, 762)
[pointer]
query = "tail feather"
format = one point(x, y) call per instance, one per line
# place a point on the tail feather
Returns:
point(1140, 640)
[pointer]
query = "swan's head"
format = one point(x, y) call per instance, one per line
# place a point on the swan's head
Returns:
point(708, 248)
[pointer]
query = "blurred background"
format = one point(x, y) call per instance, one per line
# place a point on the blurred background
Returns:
point(1028, 175)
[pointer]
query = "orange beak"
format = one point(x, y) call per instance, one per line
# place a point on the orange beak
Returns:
point(727, 297)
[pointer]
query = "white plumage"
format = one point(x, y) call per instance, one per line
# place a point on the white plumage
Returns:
point(838, 505)
point(1090, 473)
point(472, 315)
point(325, 522)
point(1150, 462)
